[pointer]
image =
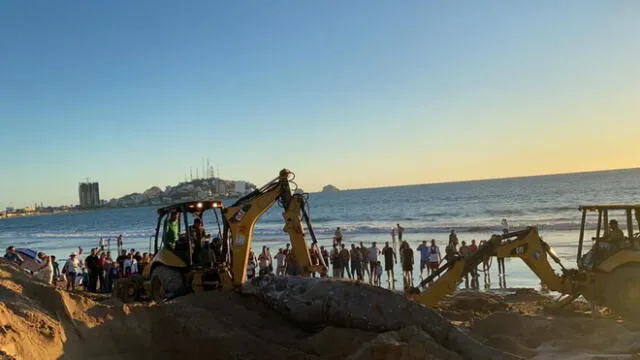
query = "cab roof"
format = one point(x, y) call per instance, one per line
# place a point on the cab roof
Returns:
point(610, 207)
point(191, 206)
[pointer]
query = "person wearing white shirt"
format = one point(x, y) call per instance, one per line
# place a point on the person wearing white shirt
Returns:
point(434, 257)
point(134, 266)
point(130, 266)
point(70, 270)
point(280, 262)
point(374, 252)
point(45, 272)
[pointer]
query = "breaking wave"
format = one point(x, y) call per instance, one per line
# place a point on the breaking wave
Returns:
point(267, 230)
point(94, 234)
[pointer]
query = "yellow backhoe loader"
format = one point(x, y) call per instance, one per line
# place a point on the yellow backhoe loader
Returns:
point(607, 275)
point(187, 259)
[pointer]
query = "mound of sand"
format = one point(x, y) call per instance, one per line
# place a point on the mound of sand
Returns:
point(523, 323)
point(38, 321)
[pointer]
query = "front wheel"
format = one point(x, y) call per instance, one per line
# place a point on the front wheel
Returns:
point(165, 282)
point(622, 292)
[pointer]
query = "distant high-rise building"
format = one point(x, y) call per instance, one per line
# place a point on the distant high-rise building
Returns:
point(89, 195)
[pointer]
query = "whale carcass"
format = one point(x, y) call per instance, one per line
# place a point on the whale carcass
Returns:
point(318, 302)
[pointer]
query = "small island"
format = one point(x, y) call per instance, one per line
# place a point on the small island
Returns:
point(330, 188)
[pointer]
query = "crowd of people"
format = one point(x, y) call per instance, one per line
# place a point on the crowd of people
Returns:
point(369, 262)
point(98, 270)
point(94, 273)
point(354, 263)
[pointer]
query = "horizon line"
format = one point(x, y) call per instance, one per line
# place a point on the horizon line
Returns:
point(485, 179)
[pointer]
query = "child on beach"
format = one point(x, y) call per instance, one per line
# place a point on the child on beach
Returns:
point(83, 280)
point(251, 270)
point(114, 274)
point(378, 273)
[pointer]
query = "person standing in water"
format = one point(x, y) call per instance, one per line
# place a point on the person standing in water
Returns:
point(120, 244)
point(434, 257)
point(406, 259)
point(453, 238)
point(325, 256)
point(345, 259)
point(389, 260)
point(356, 262)
point(336, 264)
point(373, 253)
point(464, 253)
point(365, 260)
point(400, 231)
point(423, 249)
point(505, 230)
point(337, 236)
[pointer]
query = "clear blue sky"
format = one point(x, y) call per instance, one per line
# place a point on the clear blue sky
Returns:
point(354, 93)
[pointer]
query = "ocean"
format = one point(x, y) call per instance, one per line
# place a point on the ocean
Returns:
point(473, 208)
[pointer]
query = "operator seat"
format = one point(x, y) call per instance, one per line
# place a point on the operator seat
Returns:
point(181, 248)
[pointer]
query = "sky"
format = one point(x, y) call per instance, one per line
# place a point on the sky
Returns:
point(353, 93)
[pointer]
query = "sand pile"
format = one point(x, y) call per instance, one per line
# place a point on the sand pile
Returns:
point(40, 322)
point(523, 323)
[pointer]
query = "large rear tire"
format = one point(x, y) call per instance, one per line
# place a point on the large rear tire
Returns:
point(165, 282)
point(622, 292)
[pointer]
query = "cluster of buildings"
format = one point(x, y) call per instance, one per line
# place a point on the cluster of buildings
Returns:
point(36, 209)
point(89, 196)
point(201, 189)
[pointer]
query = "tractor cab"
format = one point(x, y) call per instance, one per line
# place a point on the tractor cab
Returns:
point(188, 233)
point(613, 231)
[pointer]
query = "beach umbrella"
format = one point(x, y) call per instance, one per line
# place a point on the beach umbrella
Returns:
point(30, 257)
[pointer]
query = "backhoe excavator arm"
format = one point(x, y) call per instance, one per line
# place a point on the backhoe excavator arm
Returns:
point(241, 217)
point(534, 252)
point(525, 244)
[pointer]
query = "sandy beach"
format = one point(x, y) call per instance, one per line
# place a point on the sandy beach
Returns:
point(320, 180)
point(38, 321)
